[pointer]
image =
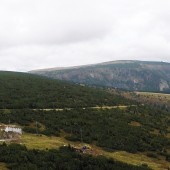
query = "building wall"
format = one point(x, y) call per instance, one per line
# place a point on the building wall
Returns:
point(12, 129)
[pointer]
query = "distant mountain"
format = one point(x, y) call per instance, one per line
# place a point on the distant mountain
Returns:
point(129, 75)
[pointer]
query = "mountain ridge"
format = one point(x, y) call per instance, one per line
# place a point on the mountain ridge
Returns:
point(123, 74)
point(88, 65)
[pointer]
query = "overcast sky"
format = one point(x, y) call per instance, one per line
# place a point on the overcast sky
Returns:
point(55, 33)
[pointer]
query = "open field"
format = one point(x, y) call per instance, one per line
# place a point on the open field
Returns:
point(157, 98)
point(160, 96)
point(139, 159)
point(44, 142)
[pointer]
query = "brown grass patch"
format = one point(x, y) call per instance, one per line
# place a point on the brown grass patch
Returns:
point(134, 123)
point(3, 166)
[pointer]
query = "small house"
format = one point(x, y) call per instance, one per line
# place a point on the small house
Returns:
point(13, 129)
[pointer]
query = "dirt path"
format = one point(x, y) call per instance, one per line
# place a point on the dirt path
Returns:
point(96, 107)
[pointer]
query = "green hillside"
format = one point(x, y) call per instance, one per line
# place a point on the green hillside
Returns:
point(111, 129)
point(20, 158)
point(53, 109)
point(129, 75)
point(21, 90)
point(137, 130)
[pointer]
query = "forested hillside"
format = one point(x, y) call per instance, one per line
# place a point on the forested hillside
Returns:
point(136, 129)
point(111, 129)
point(53, 108)
point(129, 75)
point(21, 90)
point(20, 158)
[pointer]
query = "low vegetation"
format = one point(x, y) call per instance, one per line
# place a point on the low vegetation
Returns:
point(132, 133)
point(158, 100)
point(42, 142)
point(21, 90)
point(110, 128)
point(64, 159)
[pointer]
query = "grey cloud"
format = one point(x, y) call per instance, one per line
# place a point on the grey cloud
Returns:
point(41, 33)
point(48, 24)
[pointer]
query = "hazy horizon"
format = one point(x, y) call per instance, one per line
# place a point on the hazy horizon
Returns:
point(46, 34)
point(81, 65)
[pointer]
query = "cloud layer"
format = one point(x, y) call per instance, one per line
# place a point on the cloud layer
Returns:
point(41, 33)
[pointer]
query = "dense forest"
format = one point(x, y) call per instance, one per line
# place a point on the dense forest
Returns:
point(21, 90)
point(19, 158)
point(111, 129)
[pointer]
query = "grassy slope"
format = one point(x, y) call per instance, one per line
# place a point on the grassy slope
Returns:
point(156, 99)
point(161, 98)
point(43, 142)
point(109, 128)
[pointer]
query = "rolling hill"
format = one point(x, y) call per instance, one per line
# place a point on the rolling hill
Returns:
point(22, 90)
point(58, 110)
point(129, 75)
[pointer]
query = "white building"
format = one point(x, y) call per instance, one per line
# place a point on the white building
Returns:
point(13, 129)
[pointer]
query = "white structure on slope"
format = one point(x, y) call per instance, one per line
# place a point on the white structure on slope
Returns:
point(13, 129)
